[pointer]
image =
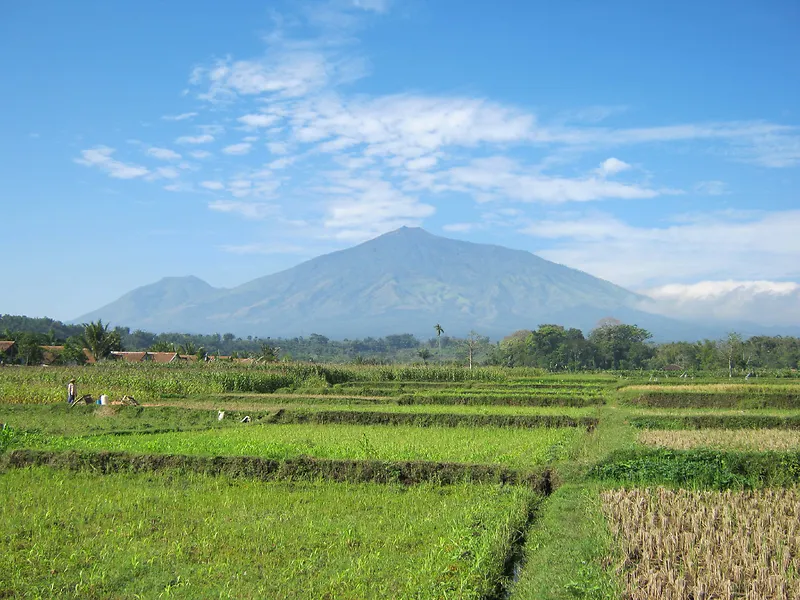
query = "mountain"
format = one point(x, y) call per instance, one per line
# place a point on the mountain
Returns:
point(150, 306)
point(404, 281)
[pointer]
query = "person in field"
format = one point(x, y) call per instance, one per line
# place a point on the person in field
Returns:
point(71, 391)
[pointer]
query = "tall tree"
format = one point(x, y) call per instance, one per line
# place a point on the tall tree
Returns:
point(99, 340)
point(439, 332)
point(29, 350)
point(474, 343)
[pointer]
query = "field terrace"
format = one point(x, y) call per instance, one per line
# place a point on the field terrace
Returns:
point(294, 480)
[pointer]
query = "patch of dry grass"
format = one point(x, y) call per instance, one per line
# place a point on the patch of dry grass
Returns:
point(680, 544)
point(748, 388)
point(723, 439)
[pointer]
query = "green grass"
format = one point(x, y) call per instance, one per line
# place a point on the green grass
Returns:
point(84, 536)
point(278, 401)
point(699, 469)
point(516, 448)
point(61, 419)
point(567, 550)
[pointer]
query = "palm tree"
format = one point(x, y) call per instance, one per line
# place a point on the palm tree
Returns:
point(99, 340)
point(439, 332)
point(267, 354)
point(188, 348)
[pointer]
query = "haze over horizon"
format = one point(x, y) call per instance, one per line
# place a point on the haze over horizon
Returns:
point(654, 147)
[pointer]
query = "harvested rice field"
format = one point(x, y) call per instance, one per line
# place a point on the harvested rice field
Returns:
point(681, 544)
point(755, 440)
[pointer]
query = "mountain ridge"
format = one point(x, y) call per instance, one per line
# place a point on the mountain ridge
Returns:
point(402, 281)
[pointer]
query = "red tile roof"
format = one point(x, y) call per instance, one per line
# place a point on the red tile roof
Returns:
point(162, 357)
point(129, 356)
point(50, 353)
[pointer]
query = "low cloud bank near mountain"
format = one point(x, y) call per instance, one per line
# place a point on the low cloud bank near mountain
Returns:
point(767, 303)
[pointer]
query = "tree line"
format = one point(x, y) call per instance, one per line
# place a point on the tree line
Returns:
point(611, 345)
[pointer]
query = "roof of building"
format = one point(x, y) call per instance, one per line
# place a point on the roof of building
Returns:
point(129, 356)
point(50, 353)
point(162, 357)
point(6, 344)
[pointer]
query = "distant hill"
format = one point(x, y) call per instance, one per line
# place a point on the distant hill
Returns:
point(403, 281)
point(151, 305)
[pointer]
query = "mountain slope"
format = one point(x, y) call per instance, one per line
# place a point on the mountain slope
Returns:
point(403, 281)
point(148, 306)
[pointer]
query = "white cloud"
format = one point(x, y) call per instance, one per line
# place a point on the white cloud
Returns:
point(612, 166)
point(278, 147)
point(369, 207)
point(761, 302)
point(212, 185)
point(248, 210)
point(250, 138)
point(258, 120)
point(283, 73)
point(407, 125)
point(195, 139)
point(751, 246)
point(180, 117)
point(167, 173)
point(505, 178)
point(422, 163)
point(238, 149)
point(282, 163)
point(379, 6)
point(711, 188)
point(200, 154)
point(100, 157)
point(163, 153)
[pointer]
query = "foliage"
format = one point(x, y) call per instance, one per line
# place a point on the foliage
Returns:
point(99, 340)
point(700, 468)
point(29, 350)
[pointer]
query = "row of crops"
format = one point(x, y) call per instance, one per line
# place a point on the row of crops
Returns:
point(372, 482)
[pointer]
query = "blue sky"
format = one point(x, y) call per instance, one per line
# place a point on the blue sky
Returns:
point(656, 145)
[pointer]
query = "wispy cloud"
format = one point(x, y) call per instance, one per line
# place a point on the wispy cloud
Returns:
point(753, 247)
point(100, 157)
point(238, 149)
point(504, 177)
point(711, 188)
point(364, 208)
point(163, 153)
point(180, 117)
point(200, 154)
point(258, 120)
point(195, 139)
point(212, 185)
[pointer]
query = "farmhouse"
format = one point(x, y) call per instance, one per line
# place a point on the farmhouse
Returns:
point(8, 350)
point(156, 357)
